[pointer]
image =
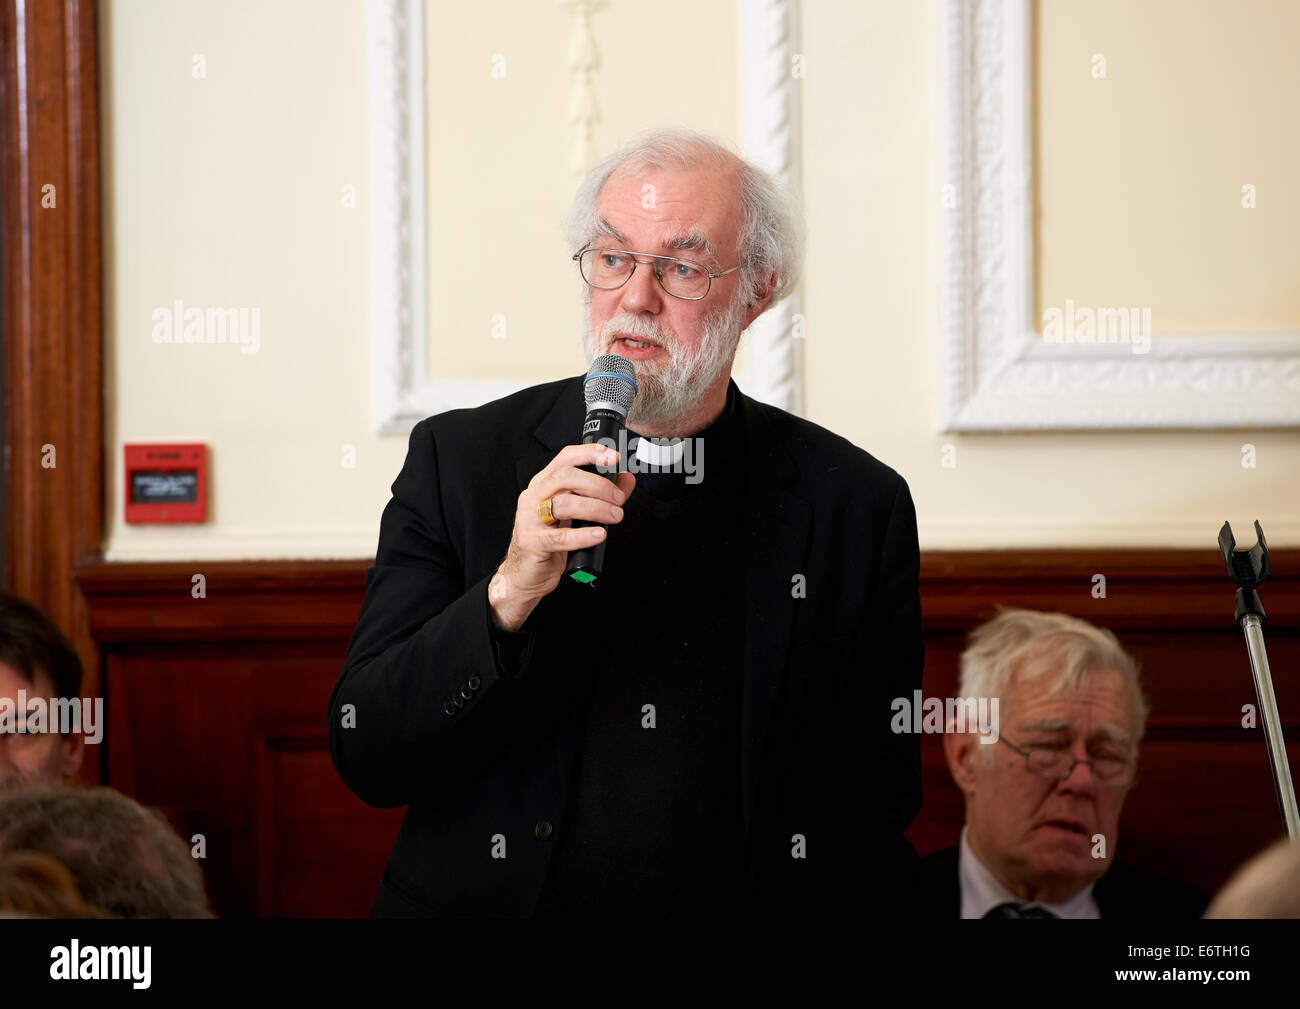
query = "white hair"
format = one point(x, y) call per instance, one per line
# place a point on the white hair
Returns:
point(1024, 644)
point(771, 230)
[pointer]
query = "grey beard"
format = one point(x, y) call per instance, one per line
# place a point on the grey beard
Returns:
point(665, 393)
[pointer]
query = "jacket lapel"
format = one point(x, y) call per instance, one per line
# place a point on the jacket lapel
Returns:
point(561, 426)
point(775, 541)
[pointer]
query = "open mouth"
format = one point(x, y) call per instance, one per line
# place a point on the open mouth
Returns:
point(1073, 826)
point(635, 344)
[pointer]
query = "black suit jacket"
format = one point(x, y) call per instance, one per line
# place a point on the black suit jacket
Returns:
point(480, 759)
point(1125, 891)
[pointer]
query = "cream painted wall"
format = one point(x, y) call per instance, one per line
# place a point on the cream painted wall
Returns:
point(870, 297)
point(226, 191)
point(499, 151)
point(1140, 172)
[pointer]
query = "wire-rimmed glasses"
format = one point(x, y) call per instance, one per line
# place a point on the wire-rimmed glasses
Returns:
point(1058, 764)
point(610, 269)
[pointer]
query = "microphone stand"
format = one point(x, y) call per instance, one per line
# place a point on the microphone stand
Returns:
point(1249, 568)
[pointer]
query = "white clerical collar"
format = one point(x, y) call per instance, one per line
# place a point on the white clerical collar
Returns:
point(981, 891)
point(660, 455)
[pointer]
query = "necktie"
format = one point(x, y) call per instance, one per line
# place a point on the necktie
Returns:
point(1013, 910)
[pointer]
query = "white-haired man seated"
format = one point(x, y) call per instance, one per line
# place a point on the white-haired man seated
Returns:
point(1043, 798)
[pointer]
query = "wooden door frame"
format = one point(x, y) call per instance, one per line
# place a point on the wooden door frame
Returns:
point(53, 316)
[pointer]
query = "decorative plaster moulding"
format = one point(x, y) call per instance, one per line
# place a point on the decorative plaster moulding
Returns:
point(402, 393)
point(998, 373)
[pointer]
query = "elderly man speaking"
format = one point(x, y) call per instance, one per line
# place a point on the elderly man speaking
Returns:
point(706, 730)
point(1044, 792)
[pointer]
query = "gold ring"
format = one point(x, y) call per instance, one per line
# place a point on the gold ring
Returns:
point(544, 512)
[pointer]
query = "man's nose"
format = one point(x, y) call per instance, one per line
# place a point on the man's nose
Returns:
point(1081, 778)
point(642, 292)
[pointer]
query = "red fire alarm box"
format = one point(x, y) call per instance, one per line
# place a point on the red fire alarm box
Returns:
point(166, 483)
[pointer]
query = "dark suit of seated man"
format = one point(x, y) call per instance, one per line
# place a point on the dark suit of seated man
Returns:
point(706, 732)
point(1044, 792)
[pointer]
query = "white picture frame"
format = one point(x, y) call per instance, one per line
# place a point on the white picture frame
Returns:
point(997, 372)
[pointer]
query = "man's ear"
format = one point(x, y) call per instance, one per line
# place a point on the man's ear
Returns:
point(755, 308)
point(74, 751)
point(961, 750)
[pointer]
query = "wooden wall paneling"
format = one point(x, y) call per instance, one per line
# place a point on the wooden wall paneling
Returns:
point(217, 713)
point(321, 853)
point(217, 706)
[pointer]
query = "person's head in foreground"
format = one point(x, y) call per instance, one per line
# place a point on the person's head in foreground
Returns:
point(682, 245)
point(1043, 801)
point(124, 857)
point(36, 661)
point(37, 886)
point(1268, 886)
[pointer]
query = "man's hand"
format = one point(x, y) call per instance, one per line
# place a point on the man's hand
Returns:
point(535, 561)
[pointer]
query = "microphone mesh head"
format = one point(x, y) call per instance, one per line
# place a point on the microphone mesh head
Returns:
point(611, 381)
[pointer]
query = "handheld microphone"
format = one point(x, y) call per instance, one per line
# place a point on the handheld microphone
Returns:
point(609, 389)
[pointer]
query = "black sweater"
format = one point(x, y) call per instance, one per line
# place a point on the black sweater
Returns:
point(654, 823)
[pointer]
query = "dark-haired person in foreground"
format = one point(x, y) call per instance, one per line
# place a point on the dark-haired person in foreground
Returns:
point(1043, 800)
point(36, 661)
point(707, 732)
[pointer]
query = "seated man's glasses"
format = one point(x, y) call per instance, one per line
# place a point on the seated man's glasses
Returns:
point(610, 269)
point(1058, 763)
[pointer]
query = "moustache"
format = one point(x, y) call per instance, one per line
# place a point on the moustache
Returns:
point(638, 330)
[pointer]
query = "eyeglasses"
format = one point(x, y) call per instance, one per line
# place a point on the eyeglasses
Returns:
point(610, 269)
point(1058, 764)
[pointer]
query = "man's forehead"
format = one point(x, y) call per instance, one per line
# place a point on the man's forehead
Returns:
point(11, 681)
point(664, 203)
point(1103, 695)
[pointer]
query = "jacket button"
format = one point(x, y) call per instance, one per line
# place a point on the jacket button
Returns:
point(449, 708)
point(466, 693)
point(458, 702)
point(474, 682)
point(543, 829)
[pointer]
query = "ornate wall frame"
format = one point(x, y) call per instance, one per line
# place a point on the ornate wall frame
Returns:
point(997, 372)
